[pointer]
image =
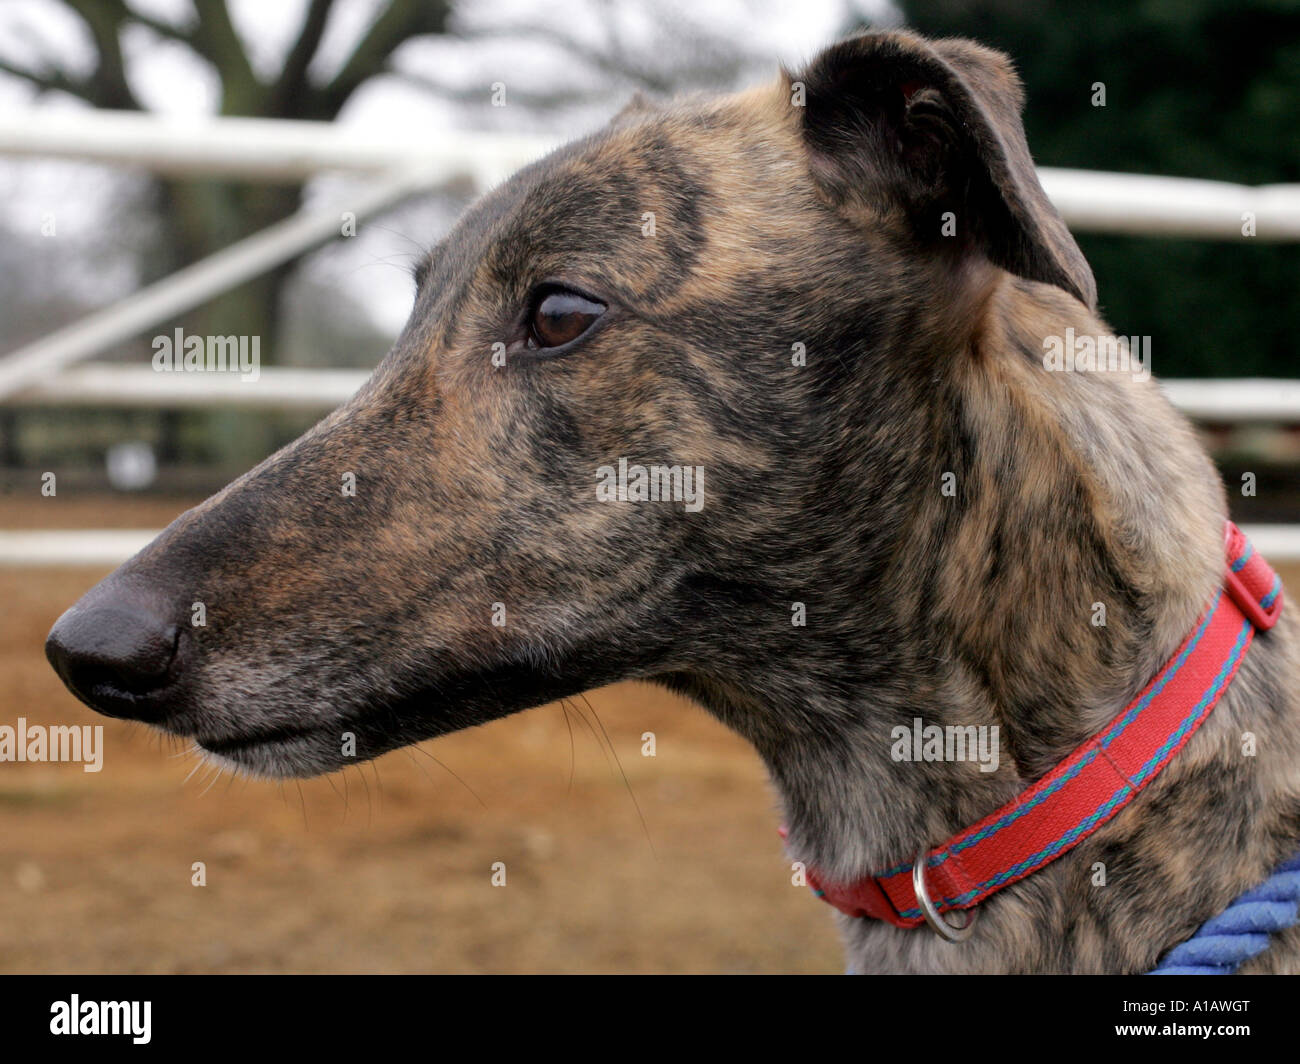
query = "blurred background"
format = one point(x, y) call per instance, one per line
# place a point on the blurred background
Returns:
point(127, 212)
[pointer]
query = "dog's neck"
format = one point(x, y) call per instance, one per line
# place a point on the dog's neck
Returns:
point(1081, 538)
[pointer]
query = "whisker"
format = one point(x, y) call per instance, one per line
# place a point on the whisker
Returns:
point(423, 771)
point(588, 725)
point(370, 809)
point(220, 771)
point(198, 764)
point(564, 709)
point(338, 794)
point(447, 769)
point(302, 800)
point(626, 782)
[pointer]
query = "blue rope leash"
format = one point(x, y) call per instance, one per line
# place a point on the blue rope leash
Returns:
point(1225, 942)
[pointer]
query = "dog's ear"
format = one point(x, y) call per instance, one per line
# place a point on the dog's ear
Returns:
point(897, 122)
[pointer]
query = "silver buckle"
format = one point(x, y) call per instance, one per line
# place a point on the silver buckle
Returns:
point(938, 924)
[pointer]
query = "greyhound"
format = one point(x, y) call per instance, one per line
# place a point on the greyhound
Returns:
point(829, 296)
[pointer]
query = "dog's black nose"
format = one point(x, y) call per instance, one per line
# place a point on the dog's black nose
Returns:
point(116, 657)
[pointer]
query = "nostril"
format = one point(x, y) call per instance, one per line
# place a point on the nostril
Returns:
point(113, 657)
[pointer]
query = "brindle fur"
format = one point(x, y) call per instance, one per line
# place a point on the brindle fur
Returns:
point(775, 225)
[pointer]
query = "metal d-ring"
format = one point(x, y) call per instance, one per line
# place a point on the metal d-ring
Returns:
point(938, 924)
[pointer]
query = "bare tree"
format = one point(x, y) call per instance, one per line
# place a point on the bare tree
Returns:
point(202, 216)
point(658, 47)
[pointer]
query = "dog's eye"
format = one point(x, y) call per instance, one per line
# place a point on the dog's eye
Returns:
point(560, 316)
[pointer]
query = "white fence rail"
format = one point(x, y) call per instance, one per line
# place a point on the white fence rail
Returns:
point(284, 151)
point(47, 372)
point(97, 547)
point(194, 285)
point(1237, 401)
point(261, 149)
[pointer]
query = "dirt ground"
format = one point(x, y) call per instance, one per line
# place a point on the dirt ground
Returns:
point(387, 868)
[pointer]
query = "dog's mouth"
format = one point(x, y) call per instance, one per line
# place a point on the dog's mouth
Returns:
point(290, 720)
point(332, 737)
point(278, 753)
point(270, 737)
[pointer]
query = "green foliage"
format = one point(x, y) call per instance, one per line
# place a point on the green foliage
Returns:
point(1194, 88)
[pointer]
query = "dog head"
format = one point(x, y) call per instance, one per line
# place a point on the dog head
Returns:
point(654, 394)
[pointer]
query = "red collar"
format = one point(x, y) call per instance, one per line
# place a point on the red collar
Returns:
point(1095, 782)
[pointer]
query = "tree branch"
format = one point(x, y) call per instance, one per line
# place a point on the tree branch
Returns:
point(607, 64)
point(398, 22)
point(293, 78)
point(104, 19)
point(164, 29)
point(476, 94)
point(216, 40)
point(52, 81)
